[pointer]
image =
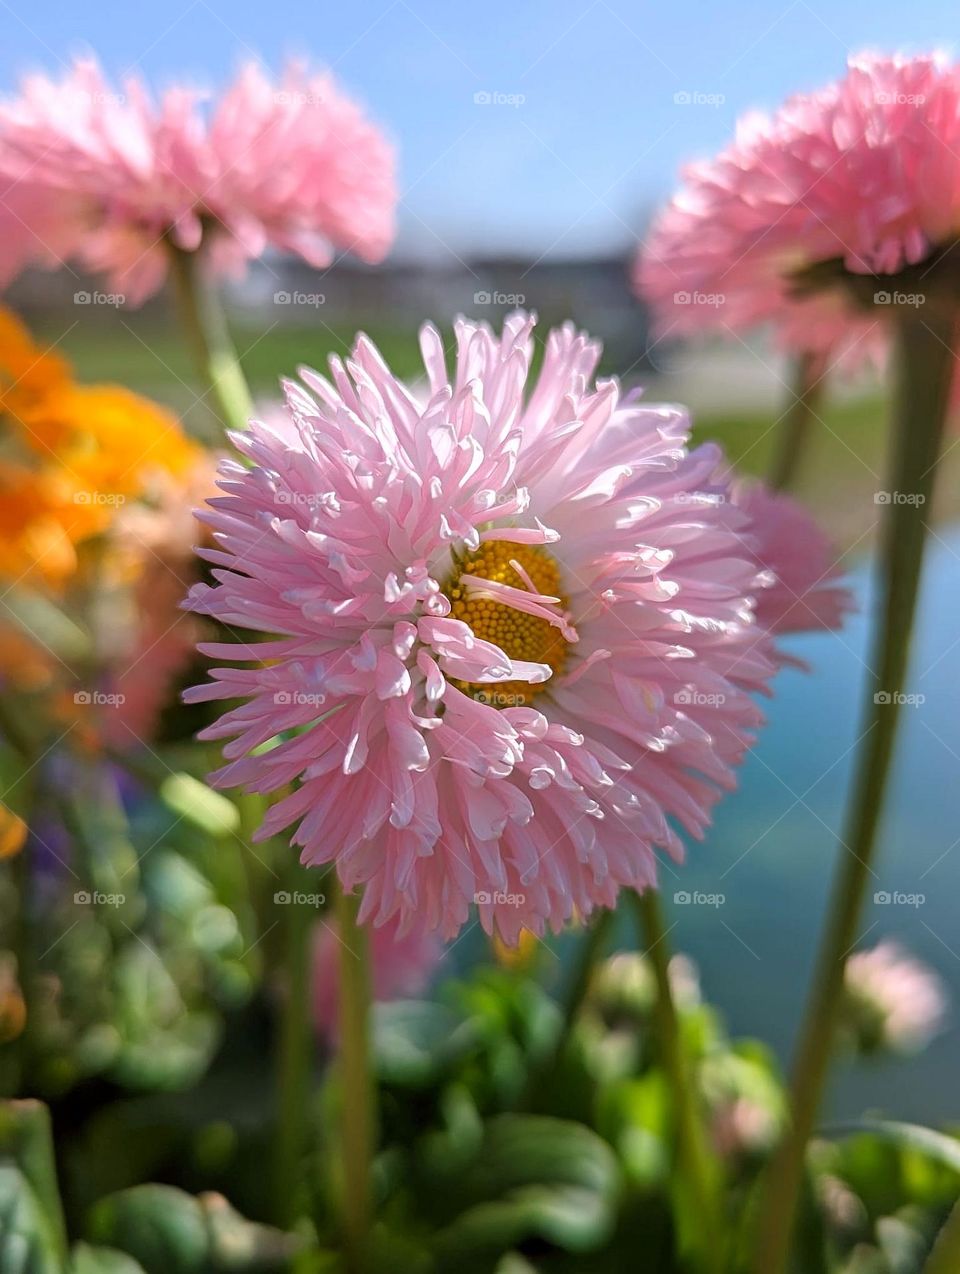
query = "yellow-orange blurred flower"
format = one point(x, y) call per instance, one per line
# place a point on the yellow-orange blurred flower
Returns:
point(70, 456)
point(13, 832)
point(519, 957)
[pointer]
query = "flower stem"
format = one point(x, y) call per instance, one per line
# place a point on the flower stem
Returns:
point(591, 945)
point(293, 1057)
point(924, 368)
point(699, 1164)
point(356, 1080)
point(793, 430)
point(206, 332)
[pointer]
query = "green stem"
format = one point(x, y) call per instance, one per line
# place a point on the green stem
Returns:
point(591, 945)
point(206, 332)
point(293, 1060)
point(699, 1164)
point(945, 1257)
point(793, 429)
point(924, 368)
point(356, 1080)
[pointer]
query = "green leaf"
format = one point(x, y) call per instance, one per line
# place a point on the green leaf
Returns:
point(170, 1232)
point(102, 1260)
point(29, 1243)
point(935, 1145)
point(32, 1232)
point(535, 1178)
point(414, 1041)
point(204, 807)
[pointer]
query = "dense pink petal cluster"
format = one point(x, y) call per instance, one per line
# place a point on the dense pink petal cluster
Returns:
point(400, 965)
point(865, 171)
point(346, 536)
point(104, 177)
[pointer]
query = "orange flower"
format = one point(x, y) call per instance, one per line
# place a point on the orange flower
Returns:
point(70, 457)
point(13, 832)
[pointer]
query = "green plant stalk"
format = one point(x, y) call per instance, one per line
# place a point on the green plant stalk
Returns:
point(923, 371)
point(206, 332)
point(590, 948)
point(293, 1056)
point(792, 434)
point(945, 1257)
point(697, 1159)
point(356, 1080)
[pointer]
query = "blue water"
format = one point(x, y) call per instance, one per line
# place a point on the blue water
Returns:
point(773, 848)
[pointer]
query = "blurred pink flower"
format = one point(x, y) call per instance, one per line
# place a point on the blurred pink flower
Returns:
point(893, 1001)
point(102, 177)
point(515, 630)
point(804, 593)
point(865, 171)
point(399, 966)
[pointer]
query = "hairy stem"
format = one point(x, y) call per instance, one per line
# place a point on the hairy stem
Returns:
point(698, 1162)
point(206, 332)
point(924, 369)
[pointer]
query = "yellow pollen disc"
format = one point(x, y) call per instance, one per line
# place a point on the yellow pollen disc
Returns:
point(519, 635)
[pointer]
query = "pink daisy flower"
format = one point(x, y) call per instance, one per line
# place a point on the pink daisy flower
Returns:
point(893, 1001)
point(515, 631)
point(105, 178)
point(804, 592)
point(865, 172)
point(400, 965)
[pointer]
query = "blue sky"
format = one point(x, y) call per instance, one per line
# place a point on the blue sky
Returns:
point(576, 165)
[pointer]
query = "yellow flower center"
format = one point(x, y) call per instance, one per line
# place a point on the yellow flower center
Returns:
point(519, 635)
